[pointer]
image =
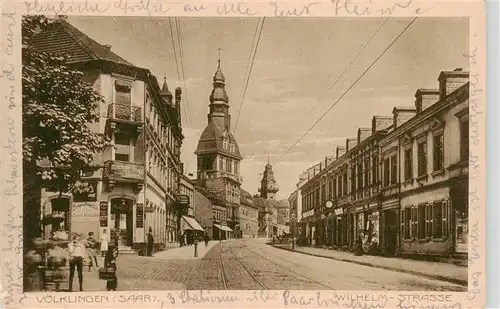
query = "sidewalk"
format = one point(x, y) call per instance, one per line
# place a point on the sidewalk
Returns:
point(434, 270)
point(92, 283)
point(186, 252)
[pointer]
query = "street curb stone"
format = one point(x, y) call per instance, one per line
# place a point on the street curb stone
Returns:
point(412, 272)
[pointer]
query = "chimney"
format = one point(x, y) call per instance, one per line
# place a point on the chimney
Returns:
point(107, 46)
point(363, 133)
point(449, 81)
point(381, 123)
point(402, 115)
point(340, 151)
point(425, 98)
point(350, 143)
point(329, 160)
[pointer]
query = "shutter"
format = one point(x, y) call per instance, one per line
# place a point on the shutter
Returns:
point(402, 219)
point(445, 225)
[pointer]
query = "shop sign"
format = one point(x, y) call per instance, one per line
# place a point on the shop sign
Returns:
point(139, 215)
point(183, 199)
point(85, 211)
point(339, 211)
point(308, 213)
point(103, 214)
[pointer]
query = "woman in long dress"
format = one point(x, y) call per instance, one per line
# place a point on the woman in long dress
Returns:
point(104, 243)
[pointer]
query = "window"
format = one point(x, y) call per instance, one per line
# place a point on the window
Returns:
point(317, 196)
point(344, 183)
point(422, 158)
point(323, 194)
point(334, 187)
point(236, 168)
point(367, 171)
point(122, 95)
point(229, 165)
point(386, 172)
point(429, 220)
point(414, 222)
point(353, 178)
point(440, 217)
point(421, 221)
point(394, 169)
point(122, 147)
point(339, 187)
point(406, 222)
point(221, 164)
point(360, 175)
point(408, 163)
point(438, 152)
point(375, 168)
point(464, 139)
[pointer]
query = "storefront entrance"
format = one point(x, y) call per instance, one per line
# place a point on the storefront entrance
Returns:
point(391, 231)
point(459, 199)
point(122, 220)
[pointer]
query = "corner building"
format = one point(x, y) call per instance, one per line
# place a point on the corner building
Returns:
point(219, 161)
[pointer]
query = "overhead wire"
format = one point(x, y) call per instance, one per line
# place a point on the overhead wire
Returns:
point(183, 69)
point(250, 67)
point(347, 90)
point(175, 57)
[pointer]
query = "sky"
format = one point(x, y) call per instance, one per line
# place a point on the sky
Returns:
point(297, 61)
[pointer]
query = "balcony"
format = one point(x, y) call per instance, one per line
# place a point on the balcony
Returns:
point(125, 117)
point(125, 172)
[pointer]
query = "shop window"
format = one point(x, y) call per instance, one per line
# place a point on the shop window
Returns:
point(422, 158)
point(386, 172)
point(61, 216)
point(408, 164)
point(464, 139)
point(438, 152)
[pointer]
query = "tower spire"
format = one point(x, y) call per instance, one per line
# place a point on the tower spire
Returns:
point(267, 158)
point(218, 59)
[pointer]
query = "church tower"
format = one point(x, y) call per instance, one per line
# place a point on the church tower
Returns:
point(268, 186)
point(218, 153)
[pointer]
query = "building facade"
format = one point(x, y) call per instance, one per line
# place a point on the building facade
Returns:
point(133, 184)
point(249, 216)
point(204, 212)
point(219, 158)
point(401, 186)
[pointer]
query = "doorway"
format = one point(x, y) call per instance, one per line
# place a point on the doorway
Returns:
point(122, 220)
point(391, 230)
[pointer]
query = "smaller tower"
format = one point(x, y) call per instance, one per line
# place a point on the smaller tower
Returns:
point(268, 186)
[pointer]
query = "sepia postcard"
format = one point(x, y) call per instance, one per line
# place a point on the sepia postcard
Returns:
point(271, 154)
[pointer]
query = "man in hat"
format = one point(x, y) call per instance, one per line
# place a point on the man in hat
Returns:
point(150, 242)
point(92, 248)
point(76, 250)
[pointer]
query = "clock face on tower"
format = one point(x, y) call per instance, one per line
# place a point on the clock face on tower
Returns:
point(329, 204)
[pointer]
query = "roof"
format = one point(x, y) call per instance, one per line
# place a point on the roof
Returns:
point(63, 38)
point(281, 203)
point(211, 141)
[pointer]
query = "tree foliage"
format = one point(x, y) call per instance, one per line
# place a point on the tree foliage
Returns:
point(58, 105)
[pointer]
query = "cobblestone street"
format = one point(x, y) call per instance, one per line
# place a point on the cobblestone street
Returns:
point(252, 264)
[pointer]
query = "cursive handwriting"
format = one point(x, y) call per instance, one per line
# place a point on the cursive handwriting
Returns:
point(14, 284)
point(279, 11)
point(10, 32)
point(234, 8)
point(142, 6)
point(474, 246)
point(353, 7)
point(61, 8)
point(200, 297)
point(193, 8)
point(475, 286)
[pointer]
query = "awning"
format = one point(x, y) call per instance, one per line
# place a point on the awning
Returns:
point(223, 228)
point(193, 223)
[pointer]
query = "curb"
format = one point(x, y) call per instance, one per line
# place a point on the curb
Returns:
point(426, 275)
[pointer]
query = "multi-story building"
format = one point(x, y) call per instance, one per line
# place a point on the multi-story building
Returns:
point(283, 216)
point(204, 211)
point(402, 185)
point(132, 186)
point(219, 157)
point(249, 216)
point(189, 223)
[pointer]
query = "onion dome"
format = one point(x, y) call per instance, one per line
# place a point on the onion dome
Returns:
point(219, 76)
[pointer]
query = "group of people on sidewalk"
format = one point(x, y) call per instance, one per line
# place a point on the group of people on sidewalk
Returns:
point(190, 238)
point(89, 248)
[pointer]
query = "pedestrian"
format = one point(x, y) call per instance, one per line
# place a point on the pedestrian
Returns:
point(206, 238)
point(150, 242)
point(91, 246)
point(104, 243)
point(110, 265)
point(76, 251)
